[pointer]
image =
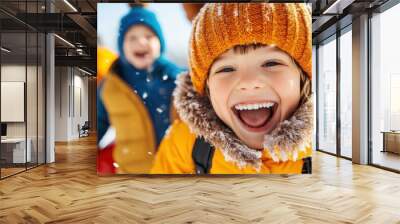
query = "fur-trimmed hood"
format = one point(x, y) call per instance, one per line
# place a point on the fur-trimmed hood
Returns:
point(282, 144)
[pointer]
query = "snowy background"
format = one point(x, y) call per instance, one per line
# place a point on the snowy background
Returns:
point(172, 17)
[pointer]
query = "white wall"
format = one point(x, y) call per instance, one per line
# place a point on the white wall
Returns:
point(61, 103)
point(13, 73)
point(71, 94)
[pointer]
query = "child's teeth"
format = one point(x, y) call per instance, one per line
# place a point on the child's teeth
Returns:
point(254, 106)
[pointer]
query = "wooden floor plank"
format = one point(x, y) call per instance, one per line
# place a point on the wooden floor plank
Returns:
point(69, 191)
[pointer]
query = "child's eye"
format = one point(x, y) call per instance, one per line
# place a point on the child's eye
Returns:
point(271, 64)
point(226, 69)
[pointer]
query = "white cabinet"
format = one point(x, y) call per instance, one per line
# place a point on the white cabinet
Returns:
point(18, 149)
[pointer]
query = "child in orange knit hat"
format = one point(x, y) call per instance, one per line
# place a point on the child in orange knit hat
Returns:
point(245, 105)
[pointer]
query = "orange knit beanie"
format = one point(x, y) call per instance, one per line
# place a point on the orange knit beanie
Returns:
point(220, 26)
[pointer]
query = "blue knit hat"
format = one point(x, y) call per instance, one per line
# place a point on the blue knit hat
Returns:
point(139, 15)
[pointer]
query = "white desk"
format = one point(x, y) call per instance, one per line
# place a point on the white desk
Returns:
point(19, 155)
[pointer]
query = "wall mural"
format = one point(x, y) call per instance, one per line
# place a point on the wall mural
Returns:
point(216, 88)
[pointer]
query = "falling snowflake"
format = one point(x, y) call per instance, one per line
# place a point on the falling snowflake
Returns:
point(147, 80)
point(159, 110)
point(141, 19)
point(145, 95)
point(150, 153)
point(137, 73)
point(165, 77)
point(115, 165)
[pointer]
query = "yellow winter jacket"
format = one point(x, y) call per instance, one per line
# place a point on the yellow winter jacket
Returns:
point(135, 138)
point(175, 157)
point(231, 156)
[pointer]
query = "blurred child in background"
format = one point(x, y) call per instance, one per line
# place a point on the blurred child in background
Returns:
point(134, 99)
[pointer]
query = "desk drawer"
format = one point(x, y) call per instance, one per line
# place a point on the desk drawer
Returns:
point(6, 154)
point(392, 142)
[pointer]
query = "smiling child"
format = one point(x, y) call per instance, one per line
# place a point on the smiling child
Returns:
point(245, 104)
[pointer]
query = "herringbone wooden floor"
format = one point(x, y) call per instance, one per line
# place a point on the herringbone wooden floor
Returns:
point(69, 191)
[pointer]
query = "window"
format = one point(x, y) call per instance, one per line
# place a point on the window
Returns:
point(22, 86)
point(327, 95)
point(385, 89)
point(346, 92)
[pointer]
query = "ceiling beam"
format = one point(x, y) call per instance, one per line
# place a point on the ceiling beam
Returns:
point(86, 26)
point(81, 61)
point(337, 7)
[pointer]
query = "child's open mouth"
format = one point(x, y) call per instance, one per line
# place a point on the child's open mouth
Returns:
point(255, 116)
point(141, 54)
